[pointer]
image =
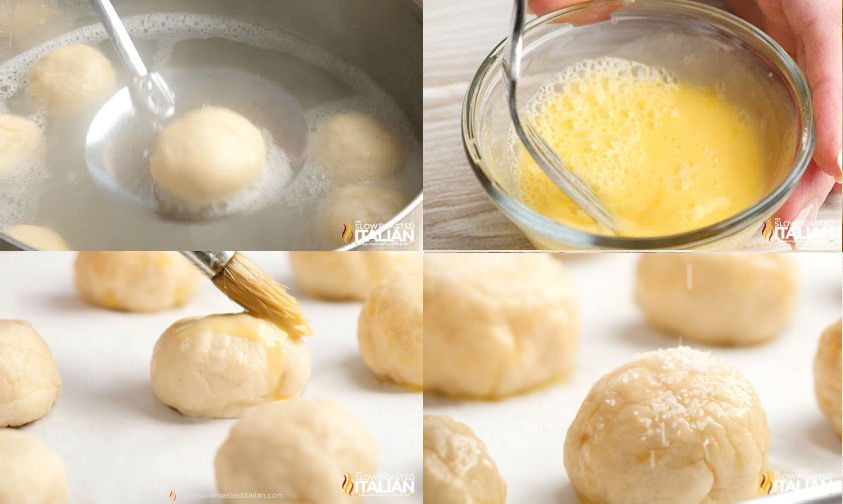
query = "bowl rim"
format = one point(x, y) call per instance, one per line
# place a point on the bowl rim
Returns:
point(546, 228)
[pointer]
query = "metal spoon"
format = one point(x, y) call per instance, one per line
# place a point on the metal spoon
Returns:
point(148, 93)
point(121, 135)
point(544, 154)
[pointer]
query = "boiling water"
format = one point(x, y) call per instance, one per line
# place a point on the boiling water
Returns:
point(229, 63)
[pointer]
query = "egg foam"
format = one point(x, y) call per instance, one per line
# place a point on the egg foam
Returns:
point(664, 156)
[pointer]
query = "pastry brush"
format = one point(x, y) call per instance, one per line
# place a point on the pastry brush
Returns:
point(252, 288)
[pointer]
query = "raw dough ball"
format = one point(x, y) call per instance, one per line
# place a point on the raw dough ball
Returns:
point(389, 330)
point(301, 448)
point(208, 155)
point(827, 372)
point(671, 426)
point(136, 281)
point(496, 324)
point(223, 365)
point(20, 139)
point(354, 147)
point(29, 380)
point(38, 237)
point(457, 467)
point(32, 474)
point(363, 203)
point(343, 276)
point(71, 79)
point(720, 299)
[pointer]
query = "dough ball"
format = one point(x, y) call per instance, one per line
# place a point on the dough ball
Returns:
point(20, 139)
point(457, 467)
point(301, 448)
point(671, 426)
point(32, 474)
point(827, 373)
point(343, 276)
point(355, 147)
point(496, 324)
point(136, 281)
point(223, 365)
point(364, 203)
point(208, 155)
point(719, 299)
point(389, 329)
point(29, 379)
point(71, 80)
point(37, 237)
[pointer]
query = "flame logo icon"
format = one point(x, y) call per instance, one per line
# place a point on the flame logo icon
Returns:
point(766, 483)
point(347, 233)
point(348, 484)
point(767, 231)
point(172, 495)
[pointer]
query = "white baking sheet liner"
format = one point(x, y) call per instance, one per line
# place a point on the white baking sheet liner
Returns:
point(525, 434)
point(120, 444)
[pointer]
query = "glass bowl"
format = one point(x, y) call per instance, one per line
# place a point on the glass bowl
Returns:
point(697, 43)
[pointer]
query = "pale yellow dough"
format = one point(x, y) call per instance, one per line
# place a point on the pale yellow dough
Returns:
point(301, 448)
point(20, 139)
point(354, 147)
point(38, 237)
point(389, 330)
point(31, 473)
point(672, 426)
point(222, 366)
point(29, 379)
point(345, 276)
point(827, 373)
point(208, 155)
point(363, 204)
point(496, 324)
point(71, 80)
point(136, 281)
point(457, 467)
point(717, 298)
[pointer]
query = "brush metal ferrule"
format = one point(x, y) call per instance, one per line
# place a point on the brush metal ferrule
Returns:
point(210, 263)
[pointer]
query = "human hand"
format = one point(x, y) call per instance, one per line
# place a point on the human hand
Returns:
point(810, 32)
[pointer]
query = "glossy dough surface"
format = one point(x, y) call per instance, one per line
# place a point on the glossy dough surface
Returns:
point(496, 324)
point(224, 365)
point(389, 330)
point(348, 275)
point(717, 298)
point(457, 467)
point(136, 281)
point(671, 426)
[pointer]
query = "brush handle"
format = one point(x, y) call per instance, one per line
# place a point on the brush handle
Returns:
point(209, 263)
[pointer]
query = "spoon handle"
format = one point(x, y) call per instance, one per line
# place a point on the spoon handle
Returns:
point(120, 38)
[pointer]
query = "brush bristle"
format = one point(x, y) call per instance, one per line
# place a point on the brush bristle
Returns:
point(253, 289)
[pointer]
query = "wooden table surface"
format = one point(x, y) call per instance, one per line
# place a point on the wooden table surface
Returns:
point(458, 215)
